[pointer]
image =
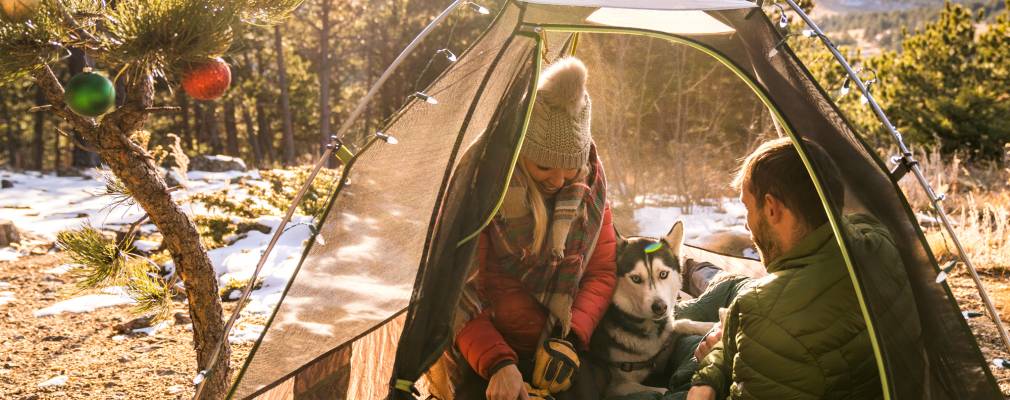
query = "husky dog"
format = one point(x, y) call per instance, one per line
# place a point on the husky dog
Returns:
point(638, 332)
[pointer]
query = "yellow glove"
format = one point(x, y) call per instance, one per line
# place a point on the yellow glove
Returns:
point(554, 365)
point(537, 394)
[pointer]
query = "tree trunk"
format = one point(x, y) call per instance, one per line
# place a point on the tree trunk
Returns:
point(184, 128)
point(210, 127)
point(282, 76)
point(250, 131)
point(38, 143)
point(230, 128)
point(324, 78)
point(135, 167)
point(12, 136)
point(266, 134)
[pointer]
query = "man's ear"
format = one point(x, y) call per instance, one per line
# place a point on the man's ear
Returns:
point(675, 238)
point(773, 209)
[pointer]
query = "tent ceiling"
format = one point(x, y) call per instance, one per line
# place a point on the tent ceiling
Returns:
point(684, 22)
point(653, 4)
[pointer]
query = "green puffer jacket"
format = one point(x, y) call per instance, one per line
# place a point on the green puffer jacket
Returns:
point(799, 333)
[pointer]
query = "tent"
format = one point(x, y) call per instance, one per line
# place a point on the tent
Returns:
point(369, 308)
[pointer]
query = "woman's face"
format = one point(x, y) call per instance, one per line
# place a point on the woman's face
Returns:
point(549, 180)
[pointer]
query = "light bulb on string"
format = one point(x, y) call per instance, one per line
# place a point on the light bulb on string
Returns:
point(448, 54)
point(783, 21)
point(426, 97)
point(390, 139)
point(809, 33)
point(478, 8)
point(844, 90)
point(865, 99)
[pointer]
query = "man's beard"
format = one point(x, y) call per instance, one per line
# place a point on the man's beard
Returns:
point(766, 241)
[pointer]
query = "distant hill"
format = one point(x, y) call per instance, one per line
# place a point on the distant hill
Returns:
point(874, 25)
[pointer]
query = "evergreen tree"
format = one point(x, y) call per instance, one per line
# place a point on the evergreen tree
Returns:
point(139, 40)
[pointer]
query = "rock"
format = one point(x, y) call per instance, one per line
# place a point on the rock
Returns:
point(217, 163)
point(182, 318)
point(176, 178)
point(137, 323)
point(125, 358)
point(8, 233)
point(6, 184)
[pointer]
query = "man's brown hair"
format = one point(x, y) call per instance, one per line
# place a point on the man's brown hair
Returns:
point(776, 168)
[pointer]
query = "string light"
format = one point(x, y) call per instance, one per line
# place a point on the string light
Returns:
point(865, 99)
point(478, 8)
point(448, 54)
point(390, 139)
point(844, 90)
point(426, 97)
point(783, 21)
point(809, 33)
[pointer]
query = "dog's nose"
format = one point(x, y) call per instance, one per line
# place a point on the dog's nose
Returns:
point(659, 307)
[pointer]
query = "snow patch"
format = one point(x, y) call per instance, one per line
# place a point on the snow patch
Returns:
point(728, 215)
point(58, 380)
point(153, 329)
point(61, 269)
point(9, 254)
point(6, 297)
point(245, 333)
point(88, 303)
point(145, 245)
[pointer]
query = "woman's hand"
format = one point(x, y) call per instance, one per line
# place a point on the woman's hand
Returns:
point(701, 393)
point(711, 338)
point(507, 384)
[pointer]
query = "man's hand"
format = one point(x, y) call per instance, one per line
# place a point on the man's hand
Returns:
point(711, 338)
point(701, 393)
point(507, 384)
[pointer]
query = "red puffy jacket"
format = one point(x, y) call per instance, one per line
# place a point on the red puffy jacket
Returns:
point(510, 326)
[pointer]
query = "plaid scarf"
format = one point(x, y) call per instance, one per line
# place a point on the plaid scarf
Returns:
point(551, 276)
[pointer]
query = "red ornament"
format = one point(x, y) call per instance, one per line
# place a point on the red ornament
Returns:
point(207, 81)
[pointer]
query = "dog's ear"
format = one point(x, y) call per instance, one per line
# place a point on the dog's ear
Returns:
point(675, 238)
point(622, 242)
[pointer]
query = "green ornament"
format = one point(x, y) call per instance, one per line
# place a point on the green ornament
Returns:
point(89, 94)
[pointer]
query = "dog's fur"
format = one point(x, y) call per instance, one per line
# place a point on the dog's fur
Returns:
point(639, 330)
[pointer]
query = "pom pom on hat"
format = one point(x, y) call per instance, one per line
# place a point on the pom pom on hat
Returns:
point(559, 134)
point(563, 85)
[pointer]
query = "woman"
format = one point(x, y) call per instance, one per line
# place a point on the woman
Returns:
point(546, 264)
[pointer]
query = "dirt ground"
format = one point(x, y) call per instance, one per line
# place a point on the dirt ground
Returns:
point(81, 346)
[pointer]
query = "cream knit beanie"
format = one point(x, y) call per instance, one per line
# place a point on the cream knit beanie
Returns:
point(558, 135)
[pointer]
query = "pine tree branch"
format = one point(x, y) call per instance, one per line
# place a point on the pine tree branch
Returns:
point(53, 90)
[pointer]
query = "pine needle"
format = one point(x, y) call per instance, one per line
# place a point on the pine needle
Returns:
point(115, 189)
point(152, 294)
point(102, 262)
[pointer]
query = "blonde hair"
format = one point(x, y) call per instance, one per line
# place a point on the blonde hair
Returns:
point(535, 200)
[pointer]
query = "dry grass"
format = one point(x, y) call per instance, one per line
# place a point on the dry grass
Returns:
point(977, 204)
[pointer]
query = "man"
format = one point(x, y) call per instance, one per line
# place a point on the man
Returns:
point(797, 333)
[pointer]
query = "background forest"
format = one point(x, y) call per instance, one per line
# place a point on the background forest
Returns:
point(941, 71)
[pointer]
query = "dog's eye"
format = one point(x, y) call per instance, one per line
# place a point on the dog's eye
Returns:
point(664, 274)
point(636, 279)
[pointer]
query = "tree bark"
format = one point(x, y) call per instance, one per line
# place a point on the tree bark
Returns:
point(230, 128)
point(38, 141)
point(185, 129)
point(282, 76)
point(12, 136)
point(250, 131)
point(135, 167)
point(210, 127)
point(266, 134)
point(324, 78)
